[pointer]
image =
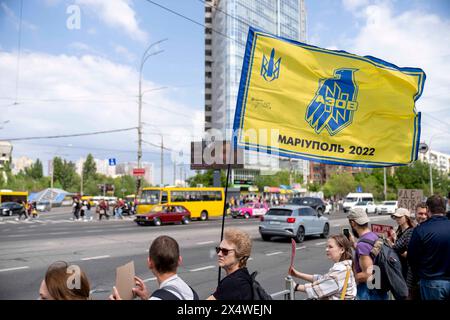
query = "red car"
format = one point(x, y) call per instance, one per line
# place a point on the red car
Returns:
point(164, 214)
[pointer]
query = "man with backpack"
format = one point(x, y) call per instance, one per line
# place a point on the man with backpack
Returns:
point(429, 252)
point(164, 259)
point(364, 261)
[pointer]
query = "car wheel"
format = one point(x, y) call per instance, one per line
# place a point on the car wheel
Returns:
point(204, 216)
point(300, 235)
point(246, 216)
point(156, 222)
point(265, 238)
point(326, 231)
point(185, 220)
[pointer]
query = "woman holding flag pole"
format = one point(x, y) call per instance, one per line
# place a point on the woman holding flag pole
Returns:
point(339, 282)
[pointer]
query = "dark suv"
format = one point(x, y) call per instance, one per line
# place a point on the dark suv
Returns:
point(10, 208)
point(315, 203)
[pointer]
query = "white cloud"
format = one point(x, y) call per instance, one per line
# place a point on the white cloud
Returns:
point(118, 14)
point(61, 94)
point(352, 5)
point(412, 39)
point(124, 52)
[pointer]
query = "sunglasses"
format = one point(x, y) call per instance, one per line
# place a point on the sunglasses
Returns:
point(224, 250)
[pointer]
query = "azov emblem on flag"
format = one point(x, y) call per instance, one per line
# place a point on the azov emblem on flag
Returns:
point(270, 69)
point(335, 102)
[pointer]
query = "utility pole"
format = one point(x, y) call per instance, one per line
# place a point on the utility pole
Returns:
point(145, 56)
point(162, 160)
point(385, 187)
point(174, 173)
point(81, 184)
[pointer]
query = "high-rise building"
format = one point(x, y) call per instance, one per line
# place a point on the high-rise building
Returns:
point(5, 152)
point(21, 163)
point(226, 28)
point(439, 160)
point(126, 168)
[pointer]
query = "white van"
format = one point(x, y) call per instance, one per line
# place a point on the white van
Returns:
point(354, 198)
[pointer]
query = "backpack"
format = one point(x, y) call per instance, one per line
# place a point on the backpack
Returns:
point(390, 267)
point(258, 291)
point(165, 294)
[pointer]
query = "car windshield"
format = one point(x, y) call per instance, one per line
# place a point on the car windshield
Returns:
point(351, 199)
point(157, 209)
point(390, 203)
point(279, 212)
point(150, 197)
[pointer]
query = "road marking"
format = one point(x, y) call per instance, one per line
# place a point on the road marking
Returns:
point(12, 269)
point(149, 279)
point(299, 248)
point(273, 253)
point(250, 259)
point(202, 268)
point(205, 242)
point(95, 258)
point(320, 243)
point(13, 222)
point(336, 225)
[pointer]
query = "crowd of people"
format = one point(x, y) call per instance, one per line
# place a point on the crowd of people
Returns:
point(81, 209)
point(421, 247)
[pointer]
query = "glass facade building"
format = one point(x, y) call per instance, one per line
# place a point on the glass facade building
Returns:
point(226, 28)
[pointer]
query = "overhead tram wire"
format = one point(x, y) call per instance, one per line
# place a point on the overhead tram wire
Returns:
point(88, 148)
point(70, 135)
point(193, 21)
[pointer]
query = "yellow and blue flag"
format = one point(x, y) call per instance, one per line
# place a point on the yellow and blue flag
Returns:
point(301, 101)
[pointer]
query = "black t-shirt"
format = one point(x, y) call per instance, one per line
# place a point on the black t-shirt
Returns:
point(235, 286)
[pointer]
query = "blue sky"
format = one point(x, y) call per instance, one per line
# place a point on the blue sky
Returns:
point(86, 79)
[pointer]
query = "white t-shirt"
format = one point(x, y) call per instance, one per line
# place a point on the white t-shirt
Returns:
point(180, 285)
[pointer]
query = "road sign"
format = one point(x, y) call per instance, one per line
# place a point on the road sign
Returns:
point(409, 198)
point(138, 172)
point(359, 189)
point(112, 162)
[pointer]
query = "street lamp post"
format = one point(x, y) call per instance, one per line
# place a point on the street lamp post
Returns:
point(145, 56)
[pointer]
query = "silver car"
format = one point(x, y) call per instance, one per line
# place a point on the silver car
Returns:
point(294, 222)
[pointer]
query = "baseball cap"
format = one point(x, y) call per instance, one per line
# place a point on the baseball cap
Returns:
point(400, 212)
point(358, 215)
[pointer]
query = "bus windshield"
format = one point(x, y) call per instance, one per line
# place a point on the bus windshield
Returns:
point(150, 197)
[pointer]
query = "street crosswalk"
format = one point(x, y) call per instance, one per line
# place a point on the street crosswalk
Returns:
point(61, 221)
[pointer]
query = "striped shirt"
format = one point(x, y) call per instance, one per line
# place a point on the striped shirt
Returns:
point(330, 285)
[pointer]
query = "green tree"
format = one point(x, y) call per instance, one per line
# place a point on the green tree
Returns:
point(339, 185)
point(64, 174)
point(206, 178)
point(89, 168)
point(36, 170)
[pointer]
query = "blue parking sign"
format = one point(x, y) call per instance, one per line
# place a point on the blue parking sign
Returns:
point(112, 162)
point(359, 189)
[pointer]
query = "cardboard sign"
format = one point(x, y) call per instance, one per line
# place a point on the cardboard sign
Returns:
point(293, 253)
point(125, 280)
point(382, 229)
point(409, 198)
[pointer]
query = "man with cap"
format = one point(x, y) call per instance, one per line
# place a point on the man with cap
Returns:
point(363, 265)
point(429, 252)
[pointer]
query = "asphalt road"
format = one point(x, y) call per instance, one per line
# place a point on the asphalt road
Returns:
point(99, 247)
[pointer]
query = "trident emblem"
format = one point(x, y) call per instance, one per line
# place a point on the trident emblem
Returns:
point(270, 69)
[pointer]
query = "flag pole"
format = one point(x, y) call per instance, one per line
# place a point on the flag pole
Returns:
point(224, 211)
